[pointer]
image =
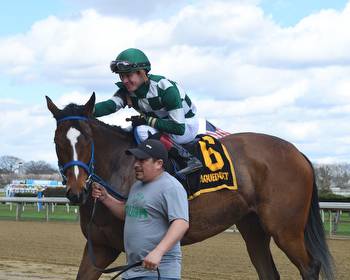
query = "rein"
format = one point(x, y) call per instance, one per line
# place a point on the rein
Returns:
point(92, 177)
point(89, 168)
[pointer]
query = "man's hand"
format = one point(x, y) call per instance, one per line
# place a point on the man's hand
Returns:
point(176, 231)
point(152, 260)
point(137, 120)
point(116, 206)
point(99, 192)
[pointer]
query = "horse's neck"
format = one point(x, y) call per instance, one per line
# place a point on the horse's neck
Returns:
point(111, 162)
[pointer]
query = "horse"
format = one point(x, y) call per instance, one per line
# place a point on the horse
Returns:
point(276, 197)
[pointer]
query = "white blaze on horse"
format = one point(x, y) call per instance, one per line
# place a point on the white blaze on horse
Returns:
point(72, 136)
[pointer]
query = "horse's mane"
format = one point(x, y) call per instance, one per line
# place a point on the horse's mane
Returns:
point(73, 109)
point(115, 128)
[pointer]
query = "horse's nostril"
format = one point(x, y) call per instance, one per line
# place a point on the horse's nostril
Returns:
point(79, 198)
point(73, 198)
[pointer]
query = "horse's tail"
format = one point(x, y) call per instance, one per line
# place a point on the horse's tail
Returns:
point(315, 238)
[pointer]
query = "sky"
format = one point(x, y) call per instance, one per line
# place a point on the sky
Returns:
point(278, 67)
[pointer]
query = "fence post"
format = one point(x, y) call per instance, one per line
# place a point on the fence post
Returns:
point(18, 211)
point(47, 211)
point(322, 215)
point(330, 223)
point(335, 222)
point(78, 214)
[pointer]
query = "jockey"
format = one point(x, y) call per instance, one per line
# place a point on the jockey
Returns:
point(167, 112)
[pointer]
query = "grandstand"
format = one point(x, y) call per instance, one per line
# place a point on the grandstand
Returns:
point(29, 186)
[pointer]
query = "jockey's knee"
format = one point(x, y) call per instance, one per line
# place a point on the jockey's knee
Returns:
point(142, 132)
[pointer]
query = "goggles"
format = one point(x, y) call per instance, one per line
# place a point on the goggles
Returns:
point(119, 66)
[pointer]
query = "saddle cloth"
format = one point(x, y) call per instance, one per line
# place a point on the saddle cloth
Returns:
point(217, 172)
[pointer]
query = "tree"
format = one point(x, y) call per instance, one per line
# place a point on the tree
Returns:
point(323, 178)
point(341, 176)
point(39, 167)
point(9, 164)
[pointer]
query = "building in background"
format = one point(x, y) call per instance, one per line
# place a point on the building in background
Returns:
point(29, 186)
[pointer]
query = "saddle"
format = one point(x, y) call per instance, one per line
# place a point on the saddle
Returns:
point(217, 172)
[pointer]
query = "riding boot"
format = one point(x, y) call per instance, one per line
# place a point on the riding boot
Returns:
point(192, 163)
point(179, 153)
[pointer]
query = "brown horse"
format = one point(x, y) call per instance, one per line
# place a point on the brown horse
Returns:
point(276, 196)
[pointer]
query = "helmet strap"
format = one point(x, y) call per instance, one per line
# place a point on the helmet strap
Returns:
point(144, 76)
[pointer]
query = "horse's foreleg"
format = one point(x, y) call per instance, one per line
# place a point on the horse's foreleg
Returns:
point(104, 256)
point(258, 246)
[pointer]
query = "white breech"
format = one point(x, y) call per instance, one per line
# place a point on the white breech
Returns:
point(191, 130)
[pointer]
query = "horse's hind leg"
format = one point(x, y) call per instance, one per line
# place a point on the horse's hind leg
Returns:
point(258, 246)
point(292, 243)
point(104, 257)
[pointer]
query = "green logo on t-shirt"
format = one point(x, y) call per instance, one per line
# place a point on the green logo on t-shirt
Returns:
point(136, 211)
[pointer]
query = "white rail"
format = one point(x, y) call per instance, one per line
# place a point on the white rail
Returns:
point(324, 206)
point(335, 205)
point(34, 199)
point(50, 201)
point(334, 210)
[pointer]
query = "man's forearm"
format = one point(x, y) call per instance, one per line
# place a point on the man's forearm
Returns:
point(168, 126)
point(117, 207)
point(175, 232)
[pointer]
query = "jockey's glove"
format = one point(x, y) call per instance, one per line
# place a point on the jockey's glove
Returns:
point(137, 120)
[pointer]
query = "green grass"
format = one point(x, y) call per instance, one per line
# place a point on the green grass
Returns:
point(343, 226)
point(31, 213)
point(60, 214)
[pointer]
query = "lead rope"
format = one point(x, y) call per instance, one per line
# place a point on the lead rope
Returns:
point(121, 268)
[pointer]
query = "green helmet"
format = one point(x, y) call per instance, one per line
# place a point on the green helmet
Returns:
point(130, 60)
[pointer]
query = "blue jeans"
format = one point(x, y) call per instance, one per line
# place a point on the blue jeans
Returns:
point(151, 278)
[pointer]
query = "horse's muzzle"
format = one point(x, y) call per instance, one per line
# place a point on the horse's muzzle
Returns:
point(77, 199)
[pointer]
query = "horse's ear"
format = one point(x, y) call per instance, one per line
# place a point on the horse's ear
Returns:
point(90, 105)
point(52, 107)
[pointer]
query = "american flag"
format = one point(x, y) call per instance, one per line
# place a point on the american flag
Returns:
point(214, 131)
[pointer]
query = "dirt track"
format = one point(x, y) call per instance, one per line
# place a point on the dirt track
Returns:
point(33, 250)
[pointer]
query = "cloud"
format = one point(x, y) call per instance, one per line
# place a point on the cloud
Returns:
point(132, 9)
point(28, 132)
point(66, 51)
point(256, 105)
point(243, 71)
point(25, 133)
point(140, 9)
point(209, 46)
point(318, 40)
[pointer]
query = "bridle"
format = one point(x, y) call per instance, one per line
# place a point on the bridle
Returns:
point(89, 167)
point(93, 177)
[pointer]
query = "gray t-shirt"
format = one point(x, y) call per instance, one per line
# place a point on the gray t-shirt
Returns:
point(149, 210)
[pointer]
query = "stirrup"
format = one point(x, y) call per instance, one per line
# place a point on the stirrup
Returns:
point(193, 165)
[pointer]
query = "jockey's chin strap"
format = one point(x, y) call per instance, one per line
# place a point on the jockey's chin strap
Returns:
point(89, 168)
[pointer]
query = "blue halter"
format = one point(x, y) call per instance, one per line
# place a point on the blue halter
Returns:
point(89, 168)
